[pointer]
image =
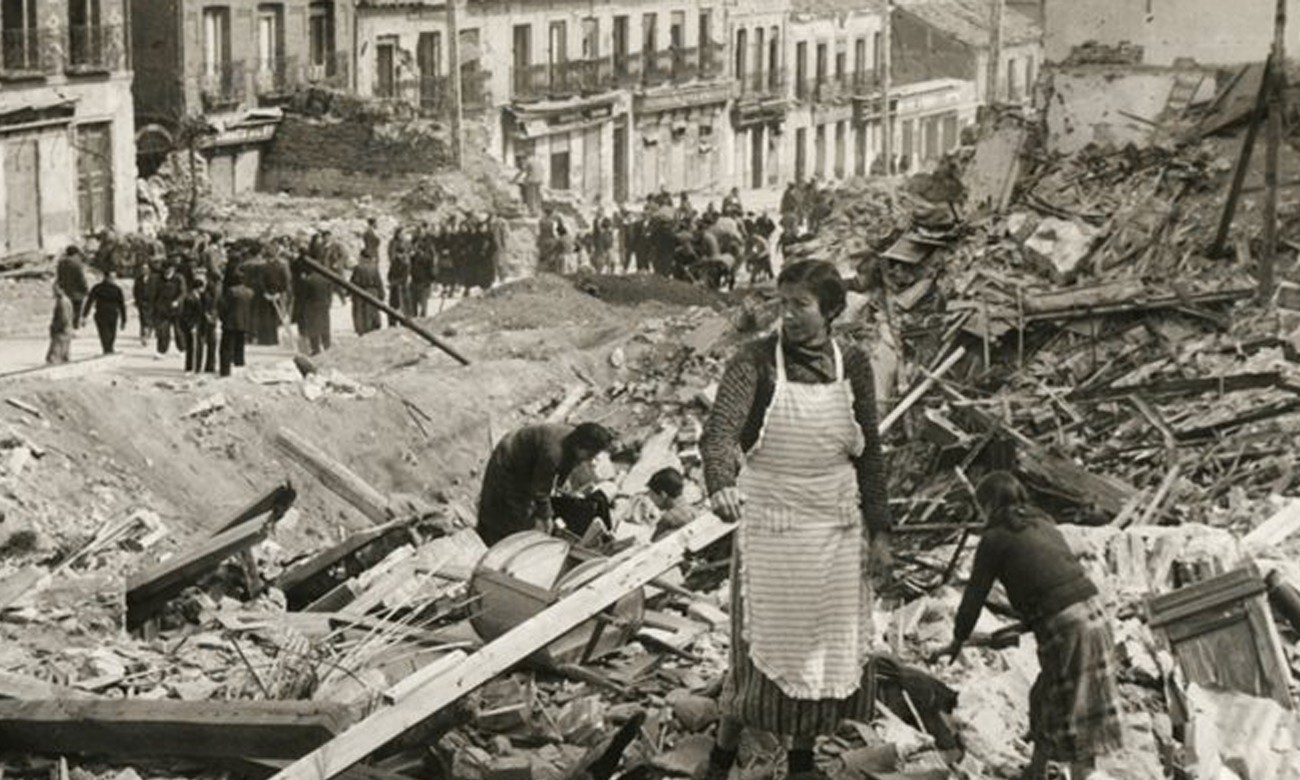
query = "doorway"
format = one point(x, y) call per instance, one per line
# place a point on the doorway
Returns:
point(757, 145)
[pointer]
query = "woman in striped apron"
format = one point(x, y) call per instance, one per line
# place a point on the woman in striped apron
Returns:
point(791, 452)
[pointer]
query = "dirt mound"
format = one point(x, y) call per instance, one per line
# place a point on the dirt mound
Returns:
point(644, 288)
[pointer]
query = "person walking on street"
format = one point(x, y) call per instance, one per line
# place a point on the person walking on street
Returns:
point(70, 273)
point(236, 320)
point(424, 269)
point(365, 317)
point(809, 497)
point(60, 350)
point(196, 323)
point(399, 274)
point(314, 313)
point(109, 305)
point(1074, 703)
point(166, 308)
point(143, 291)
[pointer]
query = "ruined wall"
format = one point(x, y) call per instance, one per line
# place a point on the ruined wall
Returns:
point(353, 156)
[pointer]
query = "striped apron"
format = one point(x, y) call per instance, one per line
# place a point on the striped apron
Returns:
point(805, 601)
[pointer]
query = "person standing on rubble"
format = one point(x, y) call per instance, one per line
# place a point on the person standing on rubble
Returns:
point(70, 272)
point(60, 350)
point(525, 468)
point(166, 307)
point(399, 274)
point(365, 317)
point(314, 313)
point(1074, 703)
point(809, 495)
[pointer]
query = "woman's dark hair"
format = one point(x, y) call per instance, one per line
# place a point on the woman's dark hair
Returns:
point(668, 481)
point(590, 436)
point(1004, 501)
point(823, 279)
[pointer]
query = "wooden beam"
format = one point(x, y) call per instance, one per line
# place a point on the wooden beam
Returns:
point(398, 316)
point(149, 591)
point(626, 573)
point(72, 370)
point(334, 475)
point(309, 580)
point(277, 501)
point(141, 729)
point(921, 389)
point(1243, 163)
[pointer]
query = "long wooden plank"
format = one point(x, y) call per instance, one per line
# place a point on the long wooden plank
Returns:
point(277, 501)
point(70, 370)
point(150, 589)
point(299, 581)
point(136, 728)
point(633, 571)
point(334, 475)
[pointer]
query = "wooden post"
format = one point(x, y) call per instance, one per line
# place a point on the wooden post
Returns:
point(995, 53)
point(335, 476)
point(887, 120)
point(1276, 77)
point(1243, 163)
point(406, 321)
point(457, 104)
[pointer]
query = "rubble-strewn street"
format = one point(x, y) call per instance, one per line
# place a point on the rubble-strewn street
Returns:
point(300, 565)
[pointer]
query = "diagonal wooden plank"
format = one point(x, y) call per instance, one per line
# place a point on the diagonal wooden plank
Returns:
point(635, 569)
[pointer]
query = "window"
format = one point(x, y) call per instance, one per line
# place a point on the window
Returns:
point(841, 141)
point(742, 54)
point(523, 48)
point(428, 55)
point(590, 38)
point(94, 176)
point(800, 69)
point(821, 64)
point(320, 37)
point(800, 154)
point(860, 151)
point(860, 61)
point(86, 34)
point(758, 57)
point(270, 39)
point(877, 53)
point(1029, 77)
point(677, 43)
point(706, 42)
point(774, 59)
point(620, 45)
point(18, 30)
point(386, 67)
point(557, 45)
point(560, 161)
point(1013, 85)
point(649, 41)
point(819, 152)
point(949, 131)
point(216, 41)
point(841, 66)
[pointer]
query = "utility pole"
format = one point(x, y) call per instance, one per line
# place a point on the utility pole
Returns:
point(995, 53)
point(457, 105)
point(1276, 106)
point(887, 120)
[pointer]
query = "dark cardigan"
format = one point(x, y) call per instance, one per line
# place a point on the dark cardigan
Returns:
point(745, 393)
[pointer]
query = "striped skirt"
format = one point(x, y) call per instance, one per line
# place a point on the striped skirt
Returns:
point(758, 702)
point(1074, 704)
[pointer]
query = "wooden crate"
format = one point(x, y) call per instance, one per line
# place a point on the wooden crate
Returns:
point(1222, 633)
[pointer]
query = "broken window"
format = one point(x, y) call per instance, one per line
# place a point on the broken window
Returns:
point(86, 35)
point(18, 30)
point(320, 38)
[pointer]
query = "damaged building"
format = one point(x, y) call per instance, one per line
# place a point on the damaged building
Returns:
point(66, 129)
point(233, 63)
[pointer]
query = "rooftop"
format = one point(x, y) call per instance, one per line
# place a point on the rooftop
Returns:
point(968, 20)
point(836, 6)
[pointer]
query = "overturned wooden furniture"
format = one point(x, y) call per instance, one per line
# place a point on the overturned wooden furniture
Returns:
point(527, 572)
point(428, 694)
point(1221, 631)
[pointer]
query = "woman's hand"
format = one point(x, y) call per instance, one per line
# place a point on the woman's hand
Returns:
point(877, 560)
point(727, 502)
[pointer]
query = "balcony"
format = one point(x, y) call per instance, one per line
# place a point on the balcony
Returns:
point(277, 77)
point(222, 86)
point(866, 82)
point(762, 84)
point(713, 63)
point(28, 53)
point(435, 95)
point(332, 71)
point(562, 80)
point(96, 49)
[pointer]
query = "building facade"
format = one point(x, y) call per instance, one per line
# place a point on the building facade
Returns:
point(613, 102)
point(950, 39)
point(232, 62)
point(66, 127)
